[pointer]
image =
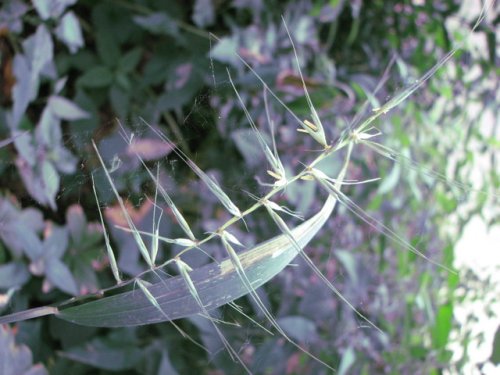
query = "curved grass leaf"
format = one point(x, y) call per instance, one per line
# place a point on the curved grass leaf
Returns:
point(217, 284)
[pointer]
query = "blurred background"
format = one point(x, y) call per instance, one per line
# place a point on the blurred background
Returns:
point(75, 71)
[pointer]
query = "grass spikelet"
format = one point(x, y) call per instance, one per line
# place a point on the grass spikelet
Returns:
point(278, 171)
point(185, 242)
point(226, 238)
point(280, 174)
point(209, 181)
point(184, 270)
point(109, 249)
point(155, 303)
point(178, 216)
point(280, 223)
point(406, 161)
point(315, 129)
point(155, 225)
point(137, 237)
point(404, 94)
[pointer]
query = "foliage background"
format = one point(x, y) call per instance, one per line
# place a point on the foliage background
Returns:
point(71, 68)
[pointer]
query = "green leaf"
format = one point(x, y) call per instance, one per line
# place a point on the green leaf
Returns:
point(107, 48)
point(123, 81)
point(390, 181)
point(447, 202)
point(99, 76)
point(348, 359)
point(129, 61)
point(495, 353)
point(442, 327)
point(120, 101)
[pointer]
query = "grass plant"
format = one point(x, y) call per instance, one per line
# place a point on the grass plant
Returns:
point(155, 296)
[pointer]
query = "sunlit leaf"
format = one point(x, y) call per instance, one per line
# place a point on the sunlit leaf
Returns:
point(442, 326)
point(348, 359)
point(70, 33)
point(51, 8)
point(66, 109)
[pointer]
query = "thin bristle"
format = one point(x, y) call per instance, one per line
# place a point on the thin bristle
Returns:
point(137, 237)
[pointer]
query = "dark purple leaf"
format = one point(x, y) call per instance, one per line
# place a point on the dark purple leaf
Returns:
point(19, 229)
point(56, 243)
point(50, 183)
point(41, 181)
point(13, 274)
point(298, 328)
point(32, 218)
point(101, 354)
point(203, 13)
point(29, 240)
point(10, 16)
point(60, 84)
point(39, 49)
point(76, 222)
point(23, 91)
point(63, 160)
point(25, 147)
point(16, 360)
point(48, 131)
point(60, 276)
